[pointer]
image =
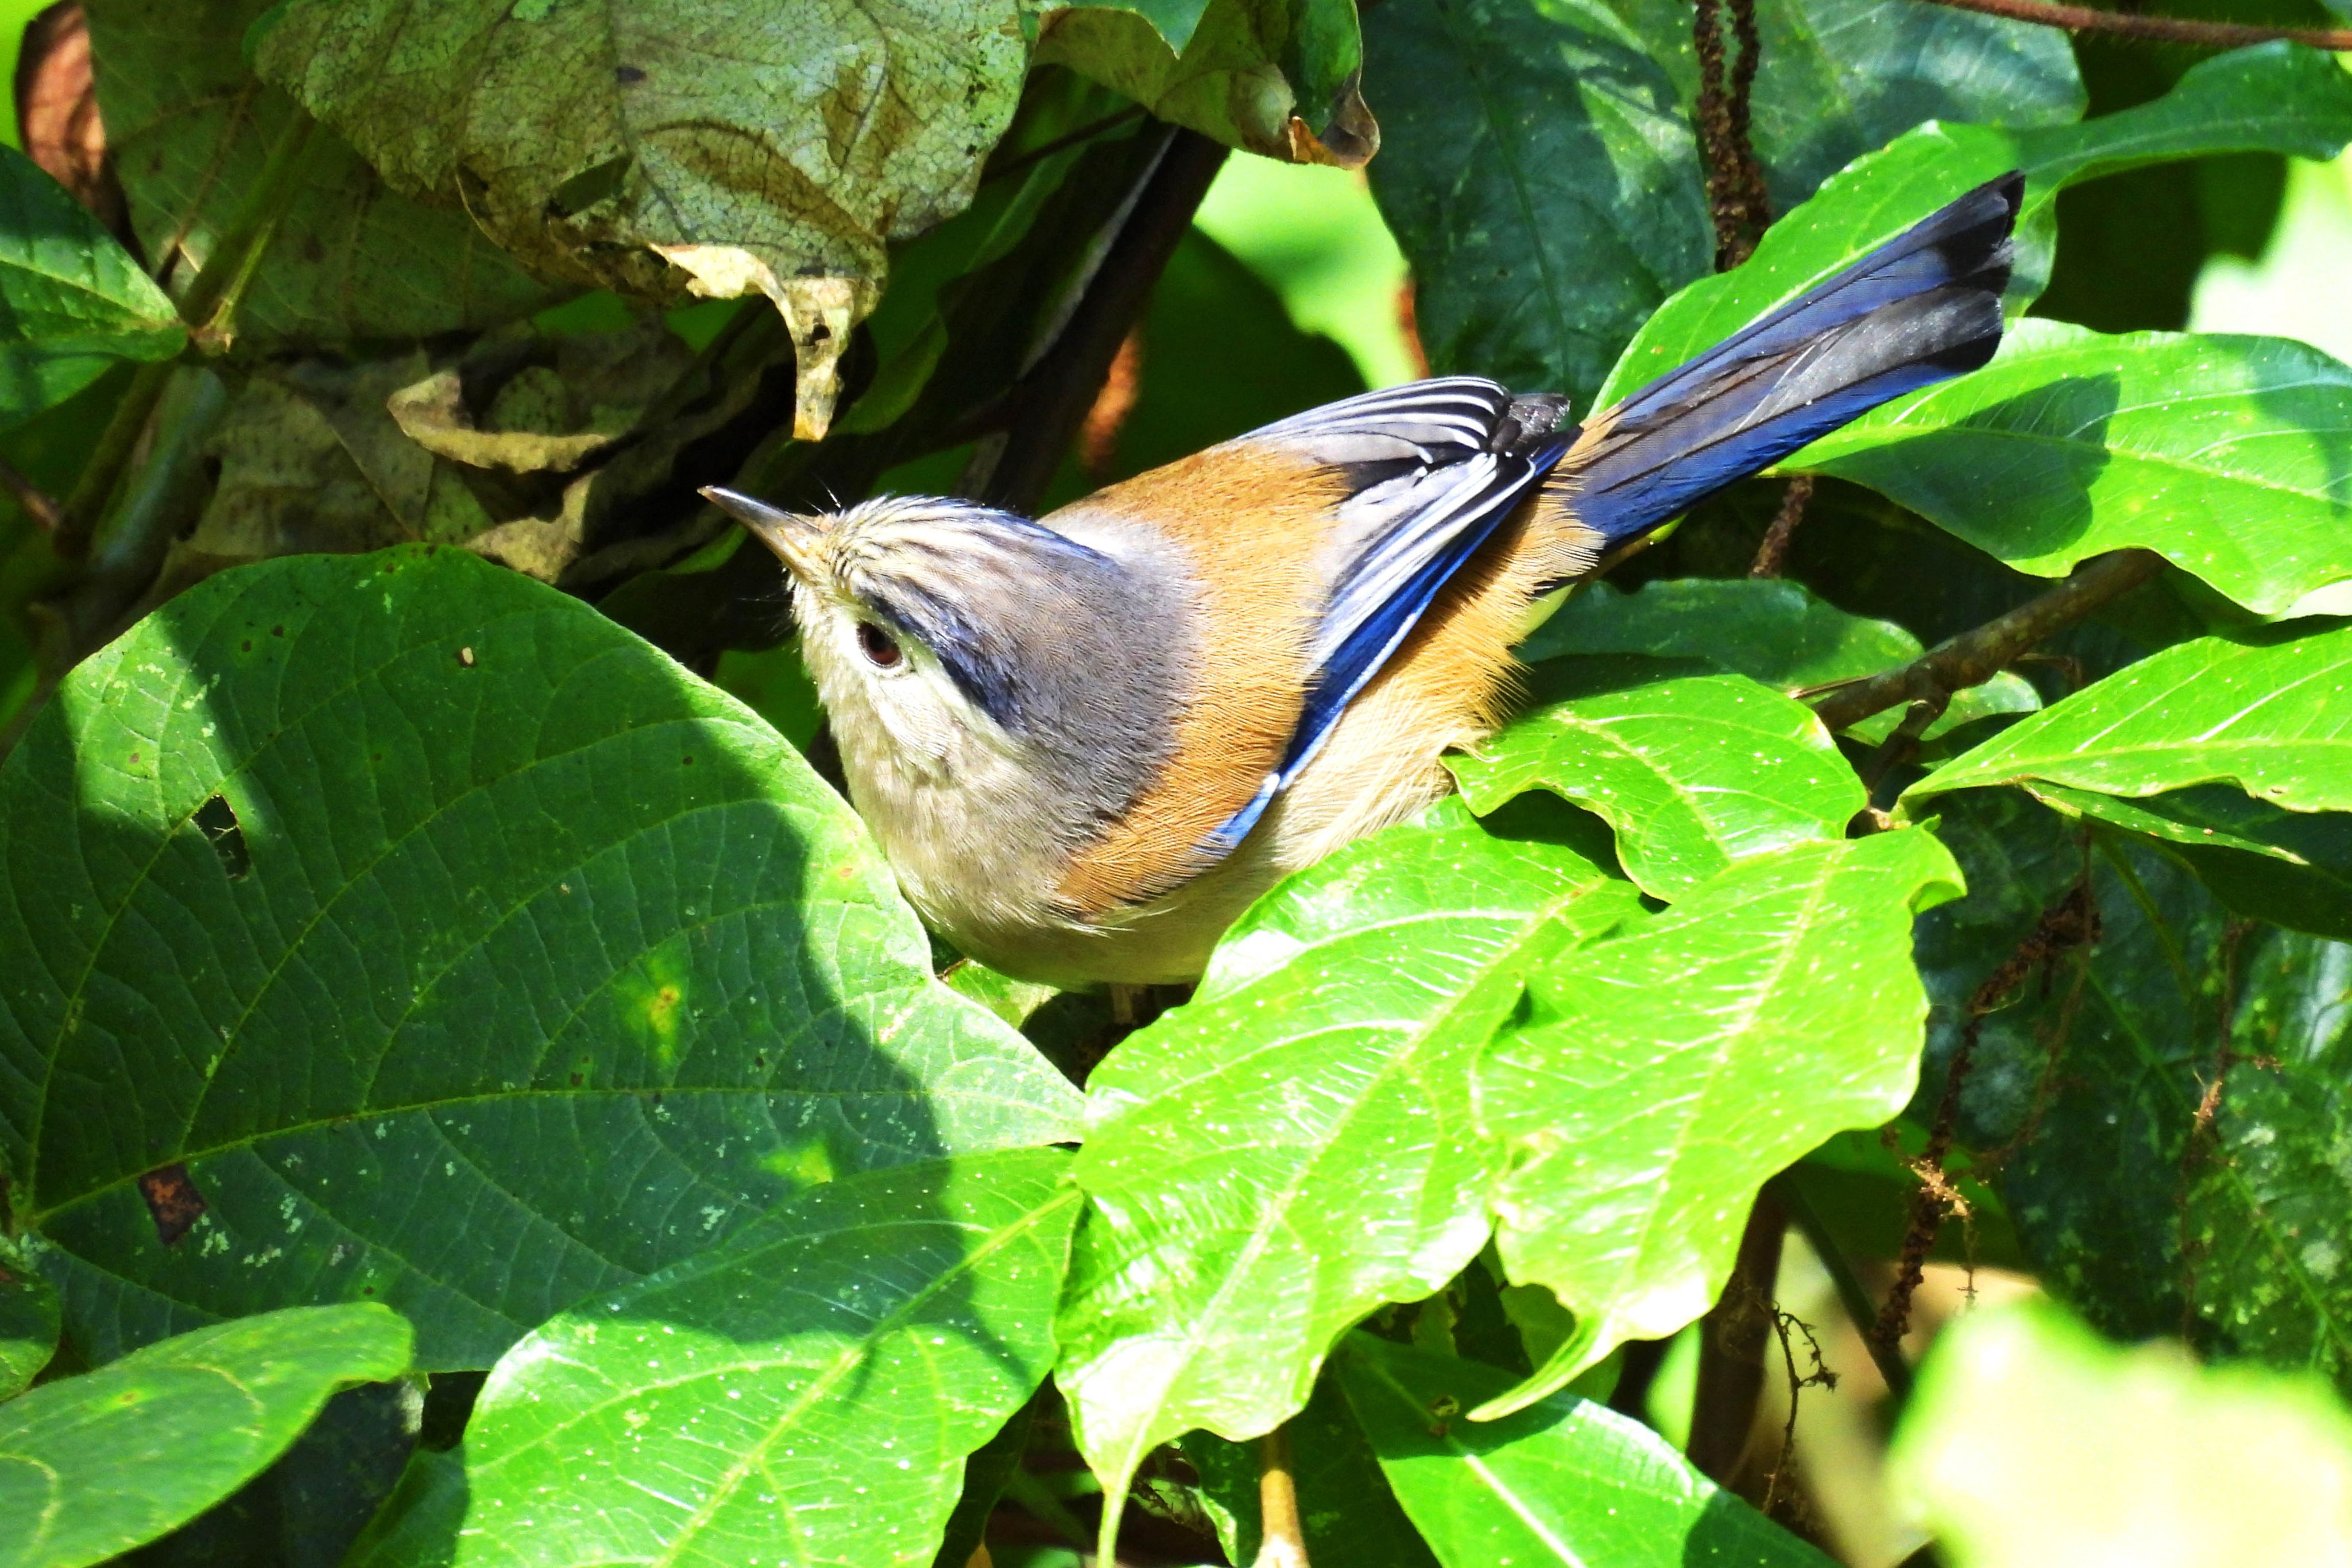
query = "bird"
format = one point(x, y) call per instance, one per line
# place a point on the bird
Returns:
point(1086, 743)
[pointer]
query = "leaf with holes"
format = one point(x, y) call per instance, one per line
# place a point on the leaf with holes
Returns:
point(2278, 98)
point(1666, 1073)
point(1769, 629)
point(2268, 710)
point(72, 301)
point(1694, 771)
point(94, 1465)
point(859, 1340)
point(1562, 1482)
point(741, 147)
point(359, 893)
point(1294, 1146)
point(189, 130)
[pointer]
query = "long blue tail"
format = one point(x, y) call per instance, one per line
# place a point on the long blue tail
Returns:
point(1921, 309)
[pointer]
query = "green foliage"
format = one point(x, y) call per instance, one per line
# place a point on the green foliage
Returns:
point(95, 1464)
point(395, 931)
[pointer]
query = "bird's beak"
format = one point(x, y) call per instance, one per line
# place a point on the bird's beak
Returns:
point(792, 537)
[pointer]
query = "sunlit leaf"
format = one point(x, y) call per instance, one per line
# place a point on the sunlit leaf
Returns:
point(1294, 1146)
point(1562, 1481)
point(92, 1466)
point(1694, 772)
point(806, 1394)
point(1666, 1073)
point(2034, 1444)
point(359, 894)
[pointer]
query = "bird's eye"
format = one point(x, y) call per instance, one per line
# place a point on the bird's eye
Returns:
point(881, 649)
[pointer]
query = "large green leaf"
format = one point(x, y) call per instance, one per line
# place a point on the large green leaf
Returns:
point(1276, 77)
point(28, 1321)
point(2231, 456)
point(1694, 772)
point(359, 893)
point(72, 301)
point(2034, 1444)
point(2272, 97)
point(805, 1395)
point(1562, 1481)
point(1769, 629)
point(1666, 1073)
point(92, 1466)
point(2152, 1201)
point(2269, 711)
point(1838, 79)
point(1539, 176)
point(637, 145)
point(189, 128)
point(1294, 1146)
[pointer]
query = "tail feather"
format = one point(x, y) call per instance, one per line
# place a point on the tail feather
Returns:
point(1921, 309)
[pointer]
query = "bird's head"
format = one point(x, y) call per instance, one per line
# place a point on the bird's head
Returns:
point(942, 635)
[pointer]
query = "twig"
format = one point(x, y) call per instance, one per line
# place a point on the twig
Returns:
point(1893, 1370)
point(30, 499)
point(1819, 1377)
point(1036, 155)
point(1734, 182)
point(1731, 1347)
point(1977, 655)
point(1773, 553)
point(2153, 29)
point(1282, 1535)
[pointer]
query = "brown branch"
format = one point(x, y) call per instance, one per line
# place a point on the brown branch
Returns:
point(1734, 182)
point(1975, 656)
point(2151, 29)
point(1773, 553)
point(1732, 1337)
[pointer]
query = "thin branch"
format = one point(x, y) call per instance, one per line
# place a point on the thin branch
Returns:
point(1975, 656)
point(30, 499)
point(1732, 1337)
point(1036, 155)
point(1772, 555)
point(1892, 1369)
point(2152, 29)
point(1282, 1535)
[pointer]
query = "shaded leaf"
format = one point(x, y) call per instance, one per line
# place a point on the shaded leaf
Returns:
point(641, 147)
point(806, 1394)
point(2009, 1453)
point(1769, 629)
point(1694, 772)
point(2269, 711)
point(93, 1465)
point(375, 890)
point(72, 301)
point(1666, 1073)
point(1541, 178)
point(189, 128)
point(1294, 1146)
point(1839, 78)
point(1563, 1480)
point(28, 1321)
point(1278, 77)
point(2231, 456)
point(2278, 97)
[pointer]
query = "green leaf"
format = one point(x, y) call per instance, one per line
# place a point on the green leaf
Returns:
point(1666, 1073)
point(637, 146)
point(72, 301)
point(92, 1466)
point(358, 892)
point(1694, 772)
point(2269, 711)
point(2291, 868)
point(854, 1345)
point(28, 1321)
point(1561, 1481)
point(2226, 454)
point(1277, 77)
point(2272, 97)
point(189, 128)
point(1541, 179)
point(1294, 1146)
point(1769, 629)
point(2009, 1453)
point(1839, 78)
